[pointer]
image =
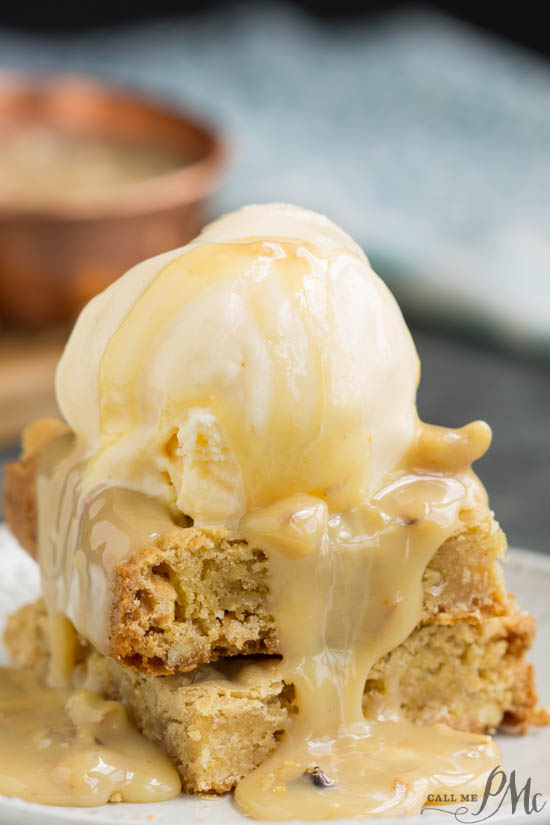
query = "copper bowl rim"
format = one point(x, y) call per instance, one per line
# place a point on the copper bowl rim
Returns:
point(179, 187)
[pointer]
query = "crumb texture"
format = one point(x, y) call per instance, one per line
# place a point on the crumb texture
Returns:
point(191, 605)
point(194, 596)
point(202, 593)
point(219, 721)
point(197, 594)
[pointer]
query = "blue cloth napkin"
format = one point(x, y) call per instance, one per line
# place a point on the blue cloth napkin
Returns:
point(428, 141)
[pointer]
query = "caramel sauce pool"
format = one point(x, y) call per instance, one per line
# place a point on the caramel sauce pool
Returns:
point(346, 558)
point(347, 589)
point(65, 747)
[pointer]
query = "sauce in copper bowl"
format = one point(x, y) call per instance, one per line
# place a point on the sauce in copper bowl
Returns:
point(93, 179)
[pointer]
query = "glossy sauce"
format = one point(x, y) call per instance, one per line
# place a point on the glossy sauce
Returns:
point(347, 589)
point(82, 536)
point(347, 540)
point(71, 747)
point(255, 334)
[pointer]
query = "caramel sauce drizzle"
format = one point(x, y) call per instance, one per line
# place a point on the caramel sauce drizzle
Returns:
point(347, 545)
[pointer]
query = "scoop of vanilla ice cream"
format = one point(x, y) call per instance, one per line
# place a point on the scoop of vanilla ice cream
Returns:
point(263, 359)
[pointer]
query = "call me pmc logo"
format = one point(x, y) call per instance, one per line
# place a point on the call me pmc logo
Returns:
point(499, 788)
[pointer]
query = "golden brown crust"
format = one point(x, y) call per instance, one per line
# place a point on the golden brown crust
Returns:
point(202, 593)
point(217, 726)
point(19, 484)
point(196, 594)
point(472, 675)
point(464, 578)
point(215, 730)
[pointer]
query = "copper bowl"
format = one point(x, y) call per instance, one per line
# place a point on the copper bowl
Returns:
point(55, 255)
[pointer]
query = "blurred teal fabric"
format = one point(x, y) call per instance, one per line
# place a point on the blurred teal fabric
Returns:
point(428, 141)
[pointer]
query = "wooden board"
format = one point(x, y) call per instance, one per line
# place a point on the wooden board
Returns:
point(27, 368)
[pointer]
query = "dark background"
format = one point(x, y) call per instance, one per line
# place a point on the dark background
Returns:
point(524, 23)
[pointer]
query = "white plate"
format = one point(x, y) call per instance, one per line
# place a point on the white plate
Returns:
point(528, 576)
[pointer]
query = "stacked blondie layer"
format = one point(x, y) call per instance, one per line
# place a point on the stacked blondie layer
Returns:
point(193, 644)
